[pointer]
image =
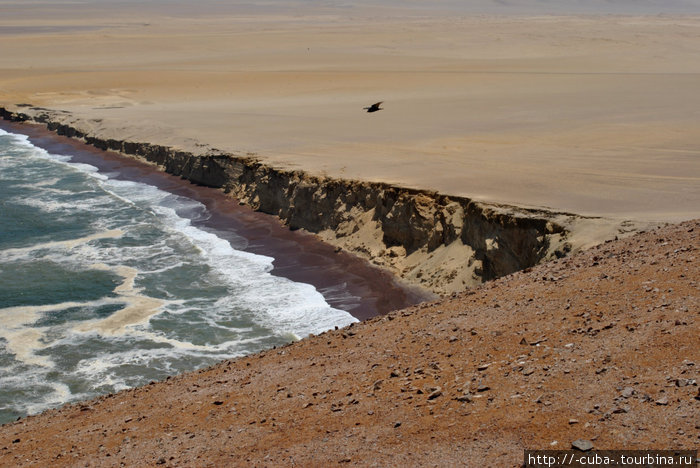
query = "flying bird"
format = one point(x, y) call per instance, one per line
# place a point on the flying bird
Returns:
point(374, 107)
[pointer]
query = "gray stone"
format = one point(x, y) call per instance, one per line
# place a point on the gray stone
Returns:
point(663, 401)
point(582, 445)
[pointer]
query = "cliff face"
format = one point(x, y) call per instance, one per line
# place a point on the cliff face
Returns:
point(439, 242)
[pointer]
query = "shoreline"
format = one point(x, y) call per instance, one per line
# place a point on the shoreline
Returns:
point(346, 281)
point(442, 244)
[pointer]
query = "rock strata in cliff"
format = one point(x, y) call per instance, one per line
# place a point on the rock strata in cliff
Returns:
point(439, 242)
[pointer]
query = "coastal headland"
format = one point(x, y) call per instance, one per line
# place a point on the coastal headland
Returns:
point(539, 153)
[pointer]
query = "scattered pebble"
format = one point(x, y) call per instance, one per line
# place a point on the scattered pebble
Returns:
point(663, 401)
point(582, 445)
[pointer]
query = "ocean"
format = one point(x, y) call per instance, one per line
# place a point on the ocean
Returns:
point(107, 284)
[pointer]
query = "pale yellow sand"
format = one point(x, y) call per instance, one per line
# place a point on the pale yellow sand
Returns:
point(592, 115)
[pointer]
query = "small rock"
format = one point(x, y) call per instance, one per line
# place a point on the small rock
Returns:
point(573, 421)
point(483, 388)
point(435, 393)
point(682, 382)
point(218, 402)
point(465, 398)
point(628, 392)
point(582, 445)
point(528, 371)
point(397, 424)
point(663, 401)
point(483, 367)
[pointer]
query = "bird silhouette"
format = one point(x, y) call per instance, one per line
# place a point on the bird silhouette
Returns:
point(374, 107)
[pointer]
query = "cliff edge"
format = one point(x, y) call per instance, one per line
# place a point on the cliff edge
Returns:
point(438, 242)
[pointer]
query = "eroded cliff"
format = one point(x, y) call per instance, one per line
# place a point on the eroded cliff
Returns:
point(442, 243)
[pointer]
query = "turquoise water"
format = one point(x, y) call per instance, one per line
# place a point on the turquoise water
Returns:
point(106, 284)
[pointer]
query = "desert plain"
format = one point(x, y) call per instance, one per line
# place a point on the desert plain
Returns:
point(591, 114)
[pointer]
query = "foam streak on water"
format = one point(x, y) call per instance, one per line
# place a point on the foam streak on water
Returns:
point(106, 284)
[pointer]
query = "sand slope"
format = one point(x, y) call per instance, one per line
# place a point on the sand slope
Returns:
point(603, 346)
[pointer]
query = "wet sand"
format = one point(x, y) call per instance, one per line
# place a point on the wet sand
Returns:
point(346, 281)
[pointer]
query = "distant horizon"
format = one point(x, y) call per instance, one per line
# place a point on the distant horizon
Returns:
point(498, 7)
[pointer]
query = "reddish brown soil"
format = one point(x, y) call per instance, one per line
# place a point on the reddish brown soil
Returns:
point(603, 346)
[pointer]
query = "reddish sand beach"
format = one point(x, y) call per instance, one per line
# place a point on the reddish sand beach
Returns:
point(298, 256)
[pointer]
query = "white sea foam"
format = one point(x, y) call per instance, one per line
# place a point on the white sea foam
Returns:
point(283, 305)
point(40, 392)
point(22, 338)
point(186, 296)
point(20, 253)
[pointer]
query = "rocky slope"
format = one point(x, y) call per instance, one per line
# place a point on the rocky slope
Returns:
point(602, 346)
point(438, 242)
